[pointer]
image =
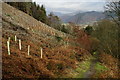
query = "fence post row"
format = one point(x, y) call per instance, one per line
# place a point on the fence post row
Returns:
point(8, 46)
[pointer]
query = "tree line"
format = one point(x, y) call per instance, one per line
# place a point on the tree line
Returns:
point(32, 9)
point(107, 31)
point(37, 11)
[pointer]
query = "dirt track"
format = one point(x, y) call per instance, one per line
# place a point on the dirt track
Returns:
point(91, 69)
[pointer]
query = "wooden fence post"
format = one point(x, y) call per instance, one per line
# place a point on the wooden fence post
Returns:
point(15, 38)
point(28, 50)
point(8, 45)
point(41, 52)
point(9, 39)
point(19, 44)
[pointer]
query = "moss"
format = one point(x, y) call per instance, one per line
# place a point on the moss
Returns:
point(7, 15)
point(83, 67)
point(100, 68)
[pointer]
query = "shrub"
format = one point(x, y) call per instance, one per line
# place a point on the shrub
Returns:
point(107, 33)
point(94, 44)
point(78, 56)
point(60, 66)
point(65, 30)
point(49, 66)
point(8, 15)
point(58, 38)
point(88, 30)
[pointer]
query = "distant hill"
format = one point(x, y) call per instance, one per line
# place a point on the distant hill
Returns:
point(84, 17)
point(56, 13)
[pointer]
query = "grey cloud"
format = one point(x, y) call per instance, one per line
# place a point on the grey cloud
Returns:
point(69, 7)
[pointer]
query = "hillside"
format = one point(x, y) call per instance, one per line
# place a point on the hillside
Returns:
point(36, 34)
point(64, 55)
point(84, 18)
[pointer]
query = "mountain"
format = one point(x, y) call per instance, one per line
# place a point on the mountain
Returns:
point(58, 13)
point(84, 17)
point(64, 16)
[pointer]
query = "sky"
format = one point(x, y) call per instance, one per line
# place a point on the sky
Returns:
point(71, 6)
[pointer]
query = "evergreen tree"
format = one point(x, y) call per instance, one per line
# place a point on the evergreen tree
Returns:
point(54, 21)
point(32, 9)
point(43, 14)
